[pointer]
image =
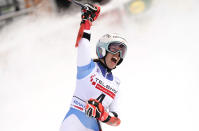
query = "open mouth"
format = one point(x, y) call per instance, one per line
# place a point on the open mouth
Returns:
point(114, 59)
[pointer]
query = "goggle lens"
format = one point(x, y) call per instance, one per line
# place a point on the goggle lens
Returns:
point(116, 47)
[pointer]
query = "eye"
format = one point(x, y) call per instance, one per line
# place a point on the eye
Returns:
point(114, 49)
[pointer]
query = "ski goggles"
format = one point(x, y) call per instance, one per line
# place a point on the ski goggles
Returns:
point(116, 47)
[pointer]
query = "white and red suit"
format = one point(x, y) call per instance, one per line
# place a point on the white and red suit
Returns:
point(93, 81)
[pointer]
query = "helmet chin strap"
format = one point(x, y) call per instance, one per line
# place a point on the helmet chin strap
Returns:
point(105, 65)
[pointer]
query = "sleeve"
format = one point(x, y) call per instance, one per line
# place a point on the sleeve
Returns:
point(114, 105)
point(85, 63)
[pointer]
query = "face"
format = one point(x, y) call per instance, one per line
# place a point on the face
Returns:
point(112, 60)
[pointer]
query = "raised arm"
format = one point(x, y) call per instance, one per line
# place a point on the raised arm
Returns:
point(84, 60)
point(84, 49)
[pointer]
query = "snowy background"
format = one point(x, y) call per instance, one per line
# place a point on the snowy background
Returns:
point(159, 76)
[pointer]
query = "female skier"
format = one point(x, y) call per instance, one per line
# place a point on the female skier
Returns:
point(95, 97)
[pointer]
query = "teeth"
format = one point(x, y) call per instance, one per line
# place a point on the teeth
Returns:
point(115, 58)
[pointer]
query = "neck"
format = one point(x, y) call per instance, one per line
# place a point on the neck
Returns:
point(103, 63)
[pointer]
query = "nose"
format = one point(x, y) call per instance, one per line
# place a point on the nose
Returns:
point(117, 54)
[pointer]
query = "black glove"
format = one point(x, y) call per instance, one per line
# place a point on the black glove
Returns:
point(94, 108)
point(90, 12)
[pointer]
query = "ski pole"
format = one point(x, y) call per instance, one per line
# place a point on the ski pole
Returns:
point(78, 3)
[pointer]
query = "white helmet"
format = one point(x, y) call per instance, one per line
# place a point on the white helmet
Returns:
point(103, 46)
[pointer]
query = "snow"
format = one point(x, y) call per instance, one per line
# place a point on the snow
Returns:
point(159, 76)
